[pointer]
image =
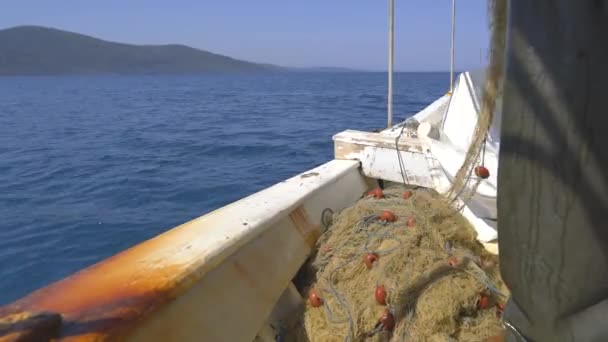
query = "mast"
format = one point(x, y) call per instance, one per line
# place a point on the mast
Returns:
point(452, 45)
point(391, 29)
point(552, 183)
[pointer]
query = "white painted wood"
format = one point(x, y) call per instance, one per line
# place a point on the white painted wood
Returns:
point(382, 163)
point(235, 300)
point(378, 156)
point(433, 113)
point(424, 129)
point(461, 117)
point(485, 233)
point(352, 138)
point(430, 162)
point(232, 302)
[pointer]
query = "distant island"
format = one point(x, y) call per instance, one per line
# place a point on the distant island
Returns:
point(35, 50)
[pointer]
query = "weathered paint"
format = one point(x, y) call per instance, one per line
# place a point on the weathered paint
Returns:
point(382, 163)
point(27, 326)
point(309, 231)
point(360, 138)
point(240, 292)
point(196, 281)
point(378, 156)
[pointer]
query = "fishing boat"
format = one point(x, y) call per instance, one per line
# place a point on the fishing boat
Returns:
point(229, 275)
point(235, 265)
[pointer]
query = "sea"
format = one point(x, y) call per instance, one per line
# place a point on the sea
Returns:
point(91, 165)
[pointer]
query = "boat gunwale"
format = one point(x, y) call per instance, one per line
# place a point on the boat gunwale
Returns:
point(111, 297)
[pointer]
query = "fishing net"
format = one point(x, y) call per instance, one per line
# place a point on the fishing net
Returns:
point(429, 278)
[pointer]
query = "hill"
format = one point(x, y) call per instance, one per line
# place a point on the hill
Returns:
point(326, 69)
point(35, 50)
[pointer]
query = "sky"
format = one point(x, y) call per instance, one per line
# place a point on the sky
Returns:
point(297, 33)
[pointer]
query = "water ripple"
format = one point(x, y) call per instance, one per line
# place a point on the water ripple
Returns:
point(90, 165)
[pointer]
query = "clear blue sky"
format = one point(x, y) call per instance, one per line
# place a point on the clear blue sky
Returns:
point(345, 33)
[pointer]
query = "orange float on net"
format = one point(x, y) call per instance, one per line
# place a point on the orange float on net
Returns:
point(483, 302)
point(380, 295)
point(407, 194)
point(377, 193)
point(370, 259)
point(387, 320)
point(325, 249)
point(388, 216)
point(411, 222)
point(482, 172)
point(453, 261)
point(314, 299)
point(496, 338)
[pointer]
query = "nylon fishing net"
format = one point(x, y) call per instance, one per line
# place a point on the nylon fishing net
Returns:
point(423, 277)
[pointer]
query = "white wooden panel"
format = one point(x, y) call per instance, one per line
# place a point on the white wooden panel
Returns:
point(461, 117)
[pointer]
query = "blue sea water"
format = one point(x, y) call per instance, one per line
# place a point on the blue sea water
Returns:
point(91, 165)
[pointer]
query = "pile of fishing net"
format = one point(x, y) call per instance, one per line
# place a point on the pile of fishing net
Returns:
point(421, 277)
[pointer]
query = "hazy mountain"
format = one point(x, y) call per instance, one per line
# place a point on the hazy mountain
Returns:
point(325, 69)
point(35, 50)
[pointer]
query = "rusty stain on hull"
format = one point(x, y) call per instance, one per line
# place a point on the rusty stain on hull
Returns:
point(361, 139)
point(309, 232)
point(110, 300)
point(28, 326)
point(106, 301)
point(103, 302)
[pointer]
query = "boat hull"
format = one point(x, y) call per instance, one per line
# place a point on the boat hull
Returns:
point(216, 278)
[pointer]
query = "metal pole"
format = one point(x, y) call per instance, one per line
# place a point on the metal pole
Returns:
point(391, 17)
point(452, 47)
